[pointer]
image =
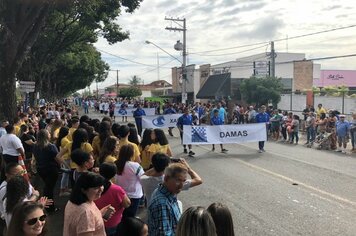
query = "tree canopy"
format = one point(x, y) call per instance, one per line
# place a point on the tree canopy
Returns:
point(51, 42)
point(130, 92)
point(261, 90)
point(135, 81)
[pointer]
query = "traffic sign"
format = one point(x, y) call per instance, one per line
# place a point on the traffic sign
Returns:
point(33, 83)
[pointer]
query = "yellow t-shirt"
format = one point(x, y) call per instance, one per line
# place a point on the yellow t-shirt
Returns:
point(110, 159)
point(96, 146)
point(17, 130)
point(55, 134)
point(146, 155)
point(136, 150)
point(70, 134)
point(86, 147)
point(164, 148)
point(64, 143)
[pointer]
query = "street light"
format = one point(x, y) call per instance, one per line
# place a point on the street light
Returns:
point(179, 47)
point(149, 42)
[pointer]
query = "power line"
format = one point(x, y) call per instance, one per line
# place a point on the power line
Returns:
point(232, 53)
point(319, 58)
point(282, 39)
point(156, 68)
point(125, 59)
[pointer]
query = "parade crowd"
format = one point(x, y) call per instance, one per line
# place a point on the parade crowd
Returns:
point(106, 169)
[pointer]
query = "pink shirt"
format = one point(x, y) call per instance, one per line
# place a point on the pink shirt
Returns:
point(84, 218)
point(113, 196)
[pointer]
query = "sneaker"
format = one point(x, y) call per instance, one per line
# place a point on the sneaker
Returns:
point(260, 151)
point(263, 150)
point(191, 153)
point(185, 150)
point(224, 150)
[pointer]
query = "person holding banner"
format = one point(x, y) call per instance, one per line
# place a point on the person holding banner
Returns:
point(185, 119)
point(170, 110)
point(216, 120)
point(138, 113)
point(262, 117)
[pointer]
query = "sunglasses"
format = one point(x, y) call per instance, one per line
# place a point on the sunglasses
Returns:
point(34, 220)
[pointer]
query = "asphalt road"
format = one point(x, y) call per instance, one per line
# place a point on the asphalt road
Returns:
point(288, 190)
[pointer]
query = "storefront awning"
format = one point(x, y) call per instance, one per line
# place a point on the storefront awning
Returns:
point(215, 86)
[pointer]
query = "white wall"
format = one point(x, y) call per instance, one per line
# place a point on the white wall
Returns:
point(299, 103)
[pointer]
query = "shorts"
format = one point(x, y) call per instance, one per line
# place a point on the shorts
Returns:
point(275, 128)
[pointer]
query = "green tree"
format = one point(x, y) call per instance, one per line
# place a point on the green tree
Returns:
point(135, 81)
point(261, 90)
point(130, 92)
point(65, 23)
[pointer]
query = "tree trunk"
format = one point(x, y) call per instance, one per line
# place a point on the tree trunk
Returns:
point(22, 24)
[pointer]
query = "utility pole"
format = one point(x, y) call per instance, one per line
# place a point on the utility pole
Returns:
point(157, 66)
point(117, 83)
point(184, 47)
point(273, 60)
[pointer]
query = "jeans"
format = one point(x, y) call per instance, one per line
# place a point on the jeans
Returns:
point(310, 134)
point(261, 145)
point(49, 177)
point(132, 209)
point(295, 135)
point(353, 138)
point(65, 177)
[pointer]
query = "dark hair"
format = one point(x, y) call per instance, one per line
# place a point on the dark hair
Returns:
point(10, 166)
point(10, 128)
point(322, 115)
point(23, 129)
point(160, 161)
point(74, 120)
point(161, 137)
point(196, 221)
point(222, 219)
point(115, 129)
point(79, 136)
point(20, 213)
point(63, 132)
point(108, 171)
point(85, 181)
point(131, 125)
point(108, 148)
point(16, 190)
point(84, 118)
point(133, 137)
point(79, 157)
point(126, 153)
point(104, 132)
point(146, 138)
point(123, 131)
point(106, 119)
point(130, 226)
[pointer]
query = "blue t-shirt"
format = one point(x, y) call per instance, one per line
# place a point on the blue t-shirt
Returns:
point(170, 111)
point(222, 113)
point(342, 128)
point(216, 120)
point(184, 120)
point(262, 118)
point(138, 113)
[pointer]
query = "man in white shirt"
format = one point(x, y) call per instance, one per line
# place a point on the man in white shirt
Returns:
point(11, 146)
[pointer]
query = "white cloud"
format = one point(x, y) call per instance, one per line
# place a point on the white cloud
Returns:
point(214, 24)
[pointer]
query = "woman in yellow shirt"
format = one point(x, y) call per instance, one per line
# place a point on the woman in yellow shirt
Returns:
point(80, 141)
point(148, 148)
point(108, 153)
point(163, 142)
point(57, 124)
point(98, 141)
point(61, 142)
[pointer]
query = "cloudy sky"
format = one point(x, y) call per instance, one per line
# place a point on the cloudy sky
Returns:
point(220, 24)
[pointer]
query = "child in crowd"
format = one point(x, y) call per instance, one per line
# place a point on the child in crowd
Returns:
point(295, 129)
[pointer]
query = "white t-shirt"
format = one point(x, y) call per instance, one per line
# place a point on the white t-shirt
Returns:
point(130, 179)
point(2, 197)
point(9, 143)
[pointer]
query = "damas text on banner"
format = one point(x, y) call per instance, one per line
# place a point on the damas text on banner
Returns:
point(163, 121)
point(224, 134)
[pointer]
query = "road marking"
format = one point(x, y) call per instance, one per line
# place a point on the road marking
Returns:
point(283, 177)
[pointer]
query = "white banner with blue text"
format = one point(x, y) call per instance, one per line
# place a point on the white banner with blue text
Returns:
point(129, 111)
point(217, 134)
point(163, 121)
